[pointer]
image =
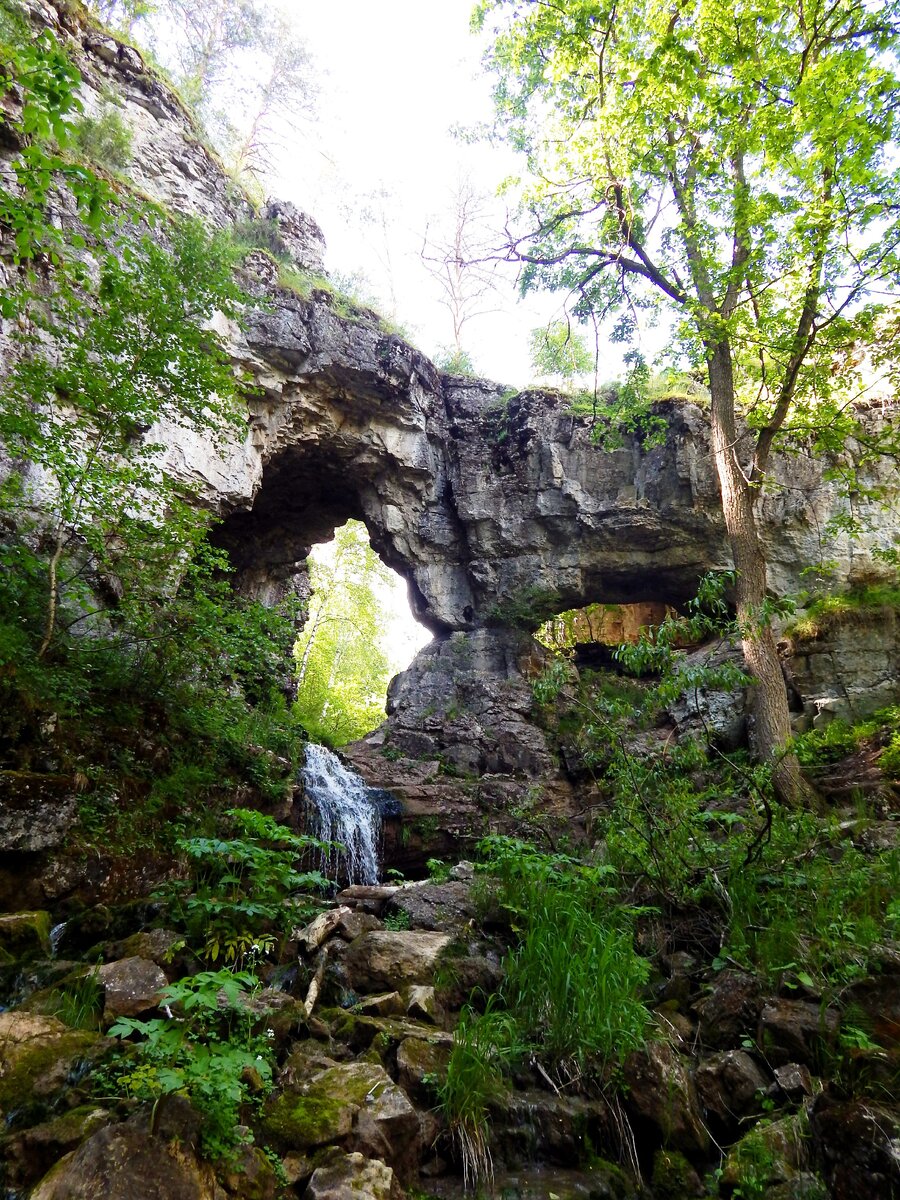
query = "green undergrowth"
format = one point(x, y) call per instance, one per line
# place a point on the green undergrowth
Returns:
point(156, 713)
point(839, 739)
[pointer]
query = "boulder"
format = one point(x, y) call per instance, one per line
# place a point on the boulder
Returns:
point(444, 906)
point(772, 1154)
point(146, 1158)
point(131, 986)
point(730, 1011)
point(796, 1031)
point(422, 1067)
point(386, 959)
point(421, 1004)
point(353, 1177)
point(662, 1095)
point(857, 1142)
point(387, 1128)
point(25, 935)
point(31, 1152)
point(731, 1086)
point(36, 1055)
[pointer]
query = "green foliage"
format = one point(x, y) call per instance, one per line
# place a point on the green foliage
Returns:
point(104, 140)
point(485, 1047)
point(47, 83)
point(455, 361)
point(343, 671)
point(79, 1002)
point(234, 907)
point(209, 1050)
point(557, 351)
point(258, 233)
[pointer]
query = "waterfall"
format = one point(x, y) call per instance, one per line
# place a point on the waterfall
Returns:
point(343, 811)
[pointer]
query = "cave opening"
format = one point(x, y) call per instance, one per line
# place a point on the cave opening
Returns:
point(359, 633)
point(590, 635)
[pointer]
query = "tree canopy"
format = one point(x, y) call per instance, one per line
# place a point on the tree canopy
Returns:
point(343, 670)
point(735, 162)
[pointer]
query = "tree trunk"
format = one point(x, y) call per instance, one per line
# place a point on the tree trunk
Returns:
point(772, 725)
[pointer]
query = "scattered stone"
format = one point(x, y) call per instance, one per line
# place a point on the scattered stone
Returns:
point(160, 946)
point(131, 987)
point(352, 1178)
point(37, 811)
point(662, 1094)
point(388, 1004)
point(794, 1081)
point(388, 959)
point(796, 1031)
point(356, 923)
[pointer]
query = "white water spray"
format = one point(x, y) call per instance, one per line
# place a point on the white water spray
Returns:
point(342, 812)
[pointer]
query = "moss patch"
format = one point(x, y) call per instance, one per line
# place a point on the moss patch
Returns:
point(304, 1122)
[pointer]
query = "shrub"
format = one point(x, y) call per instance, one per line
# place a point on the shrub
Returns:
point(104, 140)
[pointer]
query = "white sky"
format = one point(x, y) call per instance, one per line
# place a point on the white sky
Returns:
point(378, 162)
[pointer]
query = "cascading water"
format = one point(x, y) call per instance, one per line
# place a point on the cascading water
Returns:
point(343, 811)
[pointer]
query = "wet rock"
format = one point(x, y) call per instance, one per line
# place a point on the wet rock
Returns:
point(387, 959)
point(730, 1086)
point(131, 986)
point(730, 1011)
point(136, 1161)
point(662, 1095)
point(796, 1031)
point(421, 1068)
point(388, 1128)
point(857, 1142)
point(353, 1177)
point(25, 935)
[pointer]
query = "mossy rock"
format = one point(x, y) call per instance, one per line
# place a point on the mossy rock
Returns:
point(772, 1153)
point(37, 1054)
point(323, 1112)
point(305, 1122)
point(673, 1177)
point(25, 935)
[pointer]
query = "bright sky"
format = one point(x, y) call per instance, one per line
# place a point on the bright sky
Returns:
point(379, 162)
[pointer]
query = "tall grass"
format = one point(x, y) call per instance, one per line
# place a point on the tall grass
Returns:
point(575, 981)
point(485, 1046)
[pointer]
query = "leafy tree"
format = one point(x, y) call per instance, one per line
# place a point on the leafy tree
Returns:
point(343, 671)
point(733, 161)
point(557, 351)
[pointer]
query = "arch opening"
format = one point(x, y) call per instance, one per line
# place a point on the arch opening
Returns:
point(359, 633)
